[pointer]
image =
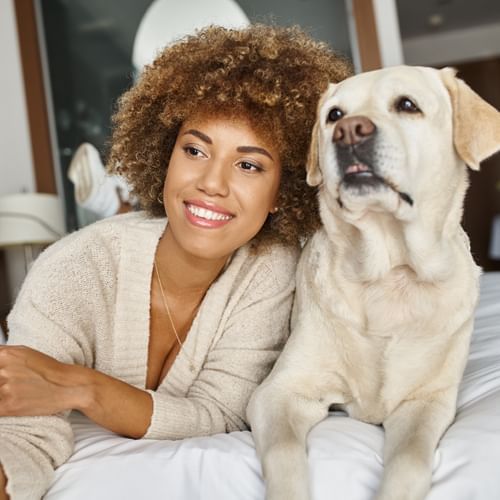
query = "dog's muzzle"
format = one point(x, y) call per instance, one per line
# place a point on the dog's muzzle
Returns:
point(354, 138)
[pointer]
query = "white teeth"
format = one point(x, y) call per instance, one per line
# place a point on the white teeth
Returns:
point(207, 214)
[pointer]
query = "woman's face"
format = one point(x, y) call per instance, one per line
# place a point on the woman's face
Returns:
point(222, 182)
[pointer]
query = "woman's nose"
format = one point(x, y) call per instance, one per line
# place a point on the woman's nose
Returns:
point(214, 179)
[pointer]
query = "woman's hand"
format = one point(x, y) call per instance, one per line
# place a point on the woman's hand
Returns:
point(32, 383)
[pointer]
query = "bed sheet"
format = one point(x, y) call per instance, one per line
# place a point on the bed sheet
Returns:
point(344, 454)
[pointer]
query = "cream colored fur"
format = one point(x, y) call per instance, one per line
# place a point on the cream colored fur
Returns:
point(386, 290)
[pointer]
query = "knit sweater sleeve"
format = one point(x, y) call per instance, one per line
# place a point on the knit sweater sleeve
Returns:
point(254, 332)
point(53, 315)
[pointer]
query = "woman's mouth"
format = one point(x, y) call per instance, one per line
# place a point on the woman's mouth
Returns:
point(206, 217)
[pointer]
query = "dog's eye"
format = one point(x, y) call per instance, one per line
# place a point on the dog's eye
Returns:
point(406, 105)
point(335, 115)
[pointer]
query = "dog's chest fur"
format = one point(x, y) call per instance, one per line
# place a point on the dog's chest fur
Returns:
point(392, 339)
point(382, 333)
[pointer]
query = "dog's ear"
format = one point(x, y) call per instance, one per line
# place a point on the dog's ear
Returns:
point(476, 124)
point(314, 177)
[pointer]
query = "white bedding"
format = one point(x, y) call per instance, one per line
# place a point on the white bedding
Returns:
point(344, 454)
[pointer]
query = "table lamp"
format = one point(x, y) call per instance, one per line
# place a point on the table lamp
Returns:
point(168, 20)
point(30, 220)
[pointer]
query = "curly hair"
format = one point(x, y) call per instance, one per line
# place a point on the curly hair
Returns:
point(272, 76)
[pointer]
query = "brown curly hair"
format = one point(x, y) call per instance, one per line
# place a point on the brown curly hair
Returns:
point(271, 76)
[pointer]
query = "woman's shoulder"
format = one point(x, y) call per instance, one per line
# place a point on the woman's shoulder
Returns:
point(90, 257)
point(278, 257)
point(275, 264)
point(102, 241)
point(124, 224)
point(108, 232)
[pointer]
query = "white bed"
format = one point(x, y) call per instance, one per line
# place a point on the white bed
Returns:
point(344, 454)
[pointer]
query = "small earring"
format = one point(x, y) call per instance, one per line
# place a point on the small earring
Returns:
point(159, 198)
point(274, 210)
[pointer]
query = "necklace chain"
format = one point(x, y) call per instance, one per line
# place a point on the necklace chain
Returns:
point(169, 314)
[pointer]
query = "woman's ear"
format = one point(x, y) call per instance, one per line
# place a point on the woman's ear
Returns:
point(476, 124)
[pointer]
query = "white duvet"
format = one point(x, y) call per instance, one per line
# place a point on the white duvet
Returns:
point(344, 454)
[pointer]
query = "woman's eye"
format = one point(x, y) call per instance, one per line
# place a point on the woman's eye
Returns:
point(406, 105)
point(192, 151)
point(249, 167)
point(335, 114)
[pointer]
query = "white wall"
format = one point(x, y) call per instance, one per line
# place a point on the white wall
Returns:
point(16, 162)
point(448, 47)
point(388, 34)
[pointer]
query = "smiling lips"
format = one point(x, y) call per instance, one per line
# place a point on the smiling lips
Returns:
point(206, 216)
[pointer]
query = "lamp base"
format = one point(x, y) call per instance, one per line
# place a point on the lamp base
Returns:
point(3, 330)
point(495, 238)
point(18, 261)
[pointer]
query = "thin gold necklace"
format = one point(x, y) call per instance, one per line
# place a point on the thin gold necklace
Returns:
point(165, 305)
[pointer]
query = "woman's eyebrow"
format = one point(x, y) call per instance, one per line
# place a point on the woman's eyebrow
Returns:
point(198, 134)
point(254, 149)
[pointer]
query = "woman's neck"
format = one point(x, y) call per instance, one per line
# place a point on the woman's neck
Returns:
point(183, 273)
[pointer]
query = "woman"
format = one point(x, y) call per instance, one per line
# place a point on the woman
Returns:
point(163, 330)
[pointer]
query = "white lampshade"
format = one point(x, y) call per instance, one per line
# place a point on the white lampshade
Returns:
point(167, 20)
point(30, 219)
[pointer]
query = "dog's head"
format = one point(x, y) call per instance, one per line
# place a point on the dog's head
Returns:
point(393, 139)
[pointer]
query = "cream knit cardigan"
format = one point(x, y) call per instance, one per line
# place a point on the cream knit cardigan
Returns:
point(87, 301)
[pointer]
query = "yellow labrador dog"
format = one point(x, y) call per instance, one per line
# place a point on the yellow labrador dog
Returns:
point(386, 290)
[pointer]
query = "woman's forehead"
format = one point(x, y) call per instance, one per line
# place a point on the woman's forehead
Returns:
point(208, 118)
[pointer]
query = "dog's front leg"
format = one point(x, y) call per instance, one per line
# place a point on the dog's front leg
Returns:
point(280, 420)
point(412, 433)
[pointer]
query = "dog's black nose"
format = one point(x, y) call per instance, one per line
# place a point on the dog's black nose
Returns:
point(352, 130)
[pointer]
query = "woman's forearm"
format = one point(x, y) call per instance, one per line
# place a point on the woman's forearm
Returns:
point(3, 485)
point(111, 403)
point(35, 384)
